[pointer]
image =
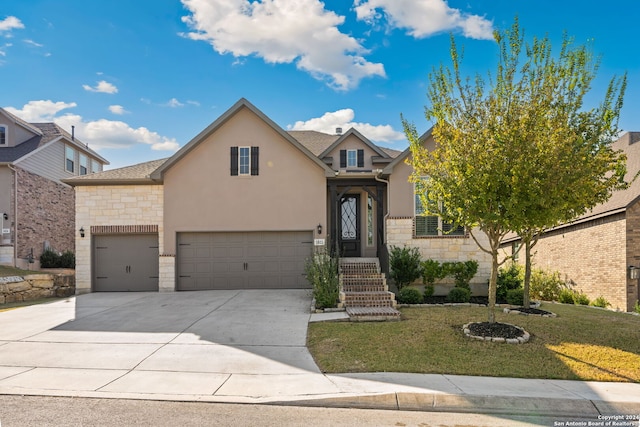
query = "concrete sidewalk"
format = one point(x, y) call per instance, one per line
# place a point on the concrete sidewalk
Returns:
point(243, 347)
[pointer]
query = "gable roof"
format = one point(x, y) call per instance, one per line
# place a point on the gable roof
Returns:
point(315, 141)
point(135, 174)
point(354, 132)
point(402, 156)
point(224, 118)
point(17, 120)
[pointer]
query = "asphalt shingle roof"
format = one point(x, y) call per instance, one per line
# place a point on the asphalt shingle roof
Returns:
point(139, 172)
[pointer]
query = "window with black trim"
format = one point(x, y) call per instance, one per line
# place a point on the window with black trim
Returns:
point(431, 225)
point(3, 135)
point(245, 161)
point(351, 159)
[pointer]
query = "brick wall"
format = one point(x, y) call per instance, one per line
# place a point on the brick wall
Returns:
point(633, 252)
point(445, 248)
point(45, 213)
point(112, 205)
point(591, 256)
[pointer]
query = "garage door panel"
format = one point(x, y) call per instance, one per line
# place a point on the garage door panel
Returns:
point(245, 260)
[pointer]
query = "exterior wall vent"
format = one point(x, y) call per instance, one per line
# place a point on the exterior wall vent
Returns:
point(338, 131)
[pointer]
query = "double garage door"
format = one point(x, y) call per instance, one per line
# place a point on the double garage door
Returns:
point(243, 260)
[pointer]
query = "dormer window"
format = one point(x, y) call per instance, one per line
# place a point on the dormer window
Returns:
point(351, 159)
point(3, 135)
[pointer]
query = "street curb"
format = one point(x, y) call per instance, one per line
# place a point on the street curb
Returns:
point(498, 405)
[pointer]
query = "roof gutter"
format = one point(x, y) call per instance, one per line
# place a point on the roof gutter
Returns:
point(15, 214)
point(386, 216)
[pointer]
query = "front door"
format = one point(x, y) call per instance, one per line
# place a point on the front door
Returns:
point(349, 232)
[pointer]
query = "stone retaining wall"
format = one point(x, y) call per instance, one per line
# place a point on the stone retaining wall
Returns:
point(36, 286)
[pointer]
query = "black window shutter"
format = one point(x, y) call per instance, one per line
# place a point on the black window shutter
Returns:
point(343, 158)
point(360, 158)
point(255, 151)
point(234, 161)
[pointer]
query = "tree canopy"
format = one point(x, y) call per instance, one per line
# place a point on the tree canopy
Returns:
point(517, 152)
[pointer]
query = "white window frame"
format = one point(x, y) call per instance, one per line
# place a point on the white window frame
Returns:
point(247, 171)
point(83, 164)
point(6, 134)
point(95, 166)
point(418, 211)
point(352, 158)
point(68, 149)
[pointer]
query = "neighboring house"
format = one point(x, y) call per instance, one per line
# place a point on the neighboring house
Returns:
point(243, 204)
point(598, 252)
point(36, 207)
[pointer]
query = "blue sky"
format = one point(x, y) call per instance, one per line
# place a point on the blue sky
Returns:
point(140, 78)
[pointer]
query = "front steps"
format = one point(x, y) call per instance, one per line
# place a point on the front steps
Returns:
point(364, 292)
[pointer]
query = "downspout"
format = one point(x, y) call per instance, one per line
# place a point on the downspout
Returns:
point(15, 215)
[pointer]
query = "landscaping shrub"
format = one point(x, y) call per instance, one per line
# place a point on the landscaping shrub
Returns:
point(49, 259)
point(636, 308)
point(404, 264)
point(546, 286)
point(515, 296)
point(432, 270)
point(428, 290)
point(462, 272)
point(458, 294)
point(566, 296)
point(580, 298)
point(409, 296)
point(509, 278)
point(322, 274)
point(600, 302)
point(67, 260)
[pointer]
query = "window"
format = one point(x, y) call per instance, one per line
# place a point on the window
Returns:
point(70, 155)
point(244, 160)
point(369, 220)
point(95, 166)
point(515, 251)
point(432, 225)
point(351, 159)
point(3, 135)
point(83, 164)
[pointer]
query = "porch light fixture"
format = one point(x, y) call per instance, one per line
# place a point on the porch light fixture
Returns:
point(634, 272)
point(81, 231)
point(319, 229)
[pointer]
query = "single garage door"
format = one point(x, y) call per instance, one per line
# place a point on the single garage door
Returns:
point(243, 260)
point(125, 262)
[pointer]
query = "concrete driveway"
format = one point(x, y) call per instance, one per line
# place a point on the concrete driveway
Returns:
point(248, 343)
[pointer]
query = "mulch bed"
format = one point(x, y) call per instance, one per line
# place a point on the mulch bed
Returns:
point(534, 311)
point(495, 330)
point(474, 300)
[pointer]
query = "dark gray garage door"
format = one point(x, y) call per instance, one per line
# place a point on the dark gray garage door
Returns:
point(125, 262)
point(243, 260)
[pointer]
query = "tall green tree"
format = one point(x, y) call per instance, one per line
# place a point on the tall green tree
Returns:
point(516, 151)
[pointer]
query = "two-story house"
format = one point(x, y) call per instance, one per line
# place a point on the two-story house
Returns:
point(37, 210)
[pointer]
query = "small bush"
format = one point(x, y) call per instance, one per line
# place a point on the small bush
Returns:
point(458, 294)
point(462, 272)
point(67, 260)
point(546, 286)
point(322, 274)
point(566, 296)
point(49, 259)
point(580, 298)
point(428, 290)
point(636, 308)
point(404, 264)
point(515, 296)
point(409, 296)
point(600, 302)
point(431, 271)
point(508, 278)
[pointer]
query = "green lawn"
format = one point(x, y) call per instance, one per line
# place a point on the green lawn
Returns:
point(6, 271)
point(582, 343)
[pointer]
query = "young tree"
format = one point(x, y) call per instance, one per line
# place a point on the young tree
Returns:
point(517, 153)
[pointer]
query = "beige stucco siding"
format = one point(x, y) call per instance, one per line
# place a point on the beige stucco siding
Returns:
point(114, 205)
point(201, 195)
point(352, 142)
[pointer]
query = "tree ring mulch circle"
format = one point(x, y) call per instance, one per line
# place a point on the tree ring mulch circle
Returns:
point(529, 312)
point(496, 332)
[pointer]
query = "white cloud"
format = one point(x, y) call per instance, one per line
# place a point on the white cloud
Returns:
point(10, 23)
point(98, 134)
point(174, 103)
point(283, 31)
point(117, 109)
point(102, 86)
point(344, 119)
point(423, 18)
point(32, 43)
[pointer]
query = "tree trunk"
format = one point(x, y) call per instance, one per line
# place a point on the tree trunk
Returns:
point(527, 275)
point(493, 280)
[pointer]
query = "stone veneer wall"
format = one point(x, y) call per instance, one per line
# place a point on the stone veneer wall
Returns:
point(45, 213)
point(591, 256)
point(108, 205)
point(399, 232)
point(36, 286)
